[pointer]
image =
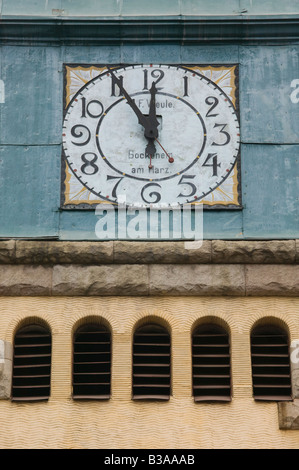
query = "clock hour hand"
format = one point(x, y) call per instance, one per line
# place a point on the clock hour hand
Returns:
point(150, 150)
point(141, 118)
point(151, 132)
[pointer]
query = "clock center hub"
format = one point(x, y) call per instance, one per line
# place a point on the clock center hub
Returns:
point(181, 138)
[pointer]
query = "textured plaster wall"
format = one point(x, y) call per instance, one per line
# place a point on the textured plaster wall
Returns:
point(123, 423)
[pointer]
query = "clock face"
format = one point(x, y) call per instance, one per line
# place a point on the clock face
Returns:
point(151, 134)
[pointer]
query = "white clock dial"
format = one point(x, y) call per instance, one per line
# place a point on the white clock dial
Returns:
point(106, 135)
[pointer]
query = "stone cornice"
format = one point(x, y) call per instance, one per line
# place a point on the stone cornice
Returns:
point(178, 29)
point(221, 268)
point(150, 280)
point(42, 252)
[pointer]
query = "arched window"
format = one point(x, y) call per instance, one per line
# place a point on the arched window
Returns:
point(92, 362)
point(211, 364)
point(31, 364)
point(151, 363)
point(270, 361)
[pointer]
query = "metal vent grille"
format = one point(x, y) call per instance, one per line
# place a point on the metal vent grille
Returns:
point(31, 364)
point(270, 360)
point(151, 363)
point(211, 364)
point(92, 363)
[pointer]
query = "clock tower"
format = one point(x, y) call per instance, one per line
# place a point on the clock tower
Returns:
point(149, 225)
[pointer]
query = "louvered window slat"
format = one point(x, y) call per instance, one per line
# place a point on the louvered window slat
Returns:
point(92, 363)
point(271, 375)
point(151, 363)
point(211, 397)
point(211, 364)
point(31, 364)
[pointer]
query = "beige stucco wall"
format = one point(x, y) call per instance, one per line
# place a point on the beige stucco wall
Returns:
point(122, 423)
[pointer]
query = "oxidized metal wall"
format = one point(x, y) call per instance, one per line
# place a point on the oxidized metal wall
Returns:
point(34, 49)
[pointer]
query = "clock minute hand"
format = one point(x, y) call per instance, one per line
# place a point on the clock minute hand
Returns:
point(151, 132)
point(141, 118)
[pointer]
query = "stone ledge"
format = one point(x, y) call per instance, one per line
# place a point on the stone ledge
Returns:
point(153, 280)
point(100, 280)
point(55, 252)
point(7, 251)
point(44, 252)
point(197, 280)
point(254, 252)
point(25, 280)
point(288, 415)
point(160, 253)
point(272, 280)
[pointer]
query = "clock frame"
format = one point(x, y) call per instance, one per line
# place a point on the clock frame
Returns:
point(220, 83)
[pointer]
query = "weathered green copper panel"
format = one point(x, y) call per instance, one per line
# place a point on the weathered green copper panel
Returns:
point(270, 191)
point(30, 7)
point(204, 7)
point(267, 112)
point(102, 8)
point(210, 55)
point(269, 7)
point(29, 182)
point(263, 37)
point(77, 226)
point(169, 54)
point(156, 8)
point(91, 8)
point(32, 111)
point(226, 225)
point(81, 226)
point(83, 54)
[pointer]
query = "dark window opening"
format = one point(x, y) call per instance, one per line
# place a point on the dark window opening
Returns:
point(211, 371)
point(92, 363)
point(151, 363)
point(270, 361)
point(31, 364)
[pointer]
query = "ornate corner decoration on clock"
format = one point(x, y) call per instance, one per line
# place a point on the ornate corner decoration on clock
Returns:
point(154, 134)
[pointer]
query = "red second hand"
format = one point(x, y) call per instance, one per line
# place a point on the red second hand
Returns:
point(170, 159)
point(150, 165)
